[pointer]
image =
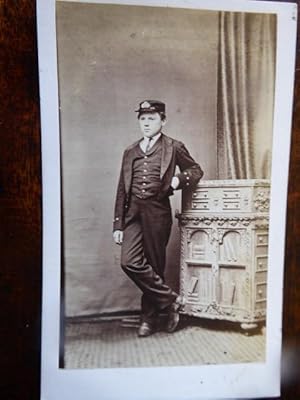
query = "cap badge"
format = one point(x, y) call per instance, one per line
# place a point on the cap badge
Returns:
point(145, 104)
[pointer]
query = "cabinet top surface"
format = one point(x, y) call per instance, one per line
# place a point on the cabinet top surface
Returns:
point(234, 183)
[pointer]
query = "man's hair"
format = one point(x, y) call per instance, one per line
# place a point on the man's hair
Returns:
point(162, 115)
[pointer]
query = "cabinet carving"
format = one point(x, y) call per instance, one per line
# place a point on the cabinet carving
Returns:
point(224, 250)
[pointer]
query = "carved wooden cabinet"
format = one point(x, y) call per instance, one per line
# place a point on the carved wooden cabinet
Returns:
point(224, 250)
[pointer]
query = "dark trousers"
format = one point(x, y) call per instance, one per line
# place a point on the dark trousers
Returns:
point(143, 256)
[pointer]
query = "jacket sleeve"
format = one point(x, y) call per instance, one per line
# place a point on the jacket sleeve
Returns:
point(120, 202)
point(190, 171)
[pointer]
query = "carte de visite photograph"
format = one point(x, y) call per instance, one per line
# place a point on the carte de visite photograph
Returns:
point(166, 135)
point(166, 144)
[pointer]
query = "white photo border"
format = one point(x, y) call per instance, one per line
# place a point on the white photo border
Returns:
point(214, 381)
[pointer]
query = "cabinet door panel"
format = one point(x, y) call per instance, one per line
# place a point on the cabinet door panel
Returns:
point(231, 249)
point(199, 248)
point(200, 284)
point(231, 287)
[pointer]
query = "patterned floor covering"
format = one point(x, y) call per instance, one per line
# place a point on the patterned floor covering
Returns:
point(114, 344)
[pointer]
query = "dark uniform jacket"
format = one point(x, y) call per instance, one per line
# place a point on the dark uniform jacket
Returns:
point(174, 154)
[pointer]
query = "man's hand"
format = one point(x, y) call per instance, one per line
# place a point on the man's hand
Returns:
point(118, 236)
point(175, 182)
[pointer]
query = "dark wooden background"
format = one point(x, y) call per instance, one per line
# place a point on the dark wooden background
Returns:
point(21, 215)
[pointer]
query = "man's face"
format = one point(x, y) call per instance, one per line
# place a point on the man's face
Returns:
point(151, 124)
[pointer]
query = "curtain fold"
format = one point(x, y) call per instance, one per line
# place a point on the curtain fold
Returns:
point(246, 94)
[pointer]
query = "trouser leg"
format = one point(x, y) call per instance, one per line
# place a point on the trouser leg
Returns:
point(144, 243)
point(156, 224)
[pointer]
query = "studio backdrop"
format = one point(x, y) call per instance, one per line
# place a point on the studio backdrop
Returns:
point(111, 57)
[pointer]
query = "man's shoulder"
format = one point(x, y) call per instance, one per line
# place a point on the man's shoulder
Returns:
point(132, 146)
point(174, 142)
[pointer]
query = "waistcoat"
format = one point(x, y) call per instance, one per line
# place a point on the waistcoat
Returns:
point(146, 181)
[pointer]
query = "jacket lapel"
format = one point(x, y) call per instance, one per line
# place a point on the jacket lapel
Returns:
point(127, 166)
point(167, 152)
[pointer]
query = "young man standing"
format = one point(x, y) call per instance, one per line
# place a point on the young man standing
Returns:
point(142, 222)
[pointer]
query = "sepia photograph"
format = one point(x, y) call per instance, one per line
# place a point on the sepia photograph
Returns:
point(169, 128)
point(166, 114)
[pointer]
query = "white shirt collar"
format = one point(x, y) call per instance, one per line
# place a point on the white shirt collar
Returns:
point(144, 142)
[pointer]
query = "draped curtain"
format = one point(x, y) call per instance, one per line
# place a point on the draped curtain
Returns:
point(246, 80)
